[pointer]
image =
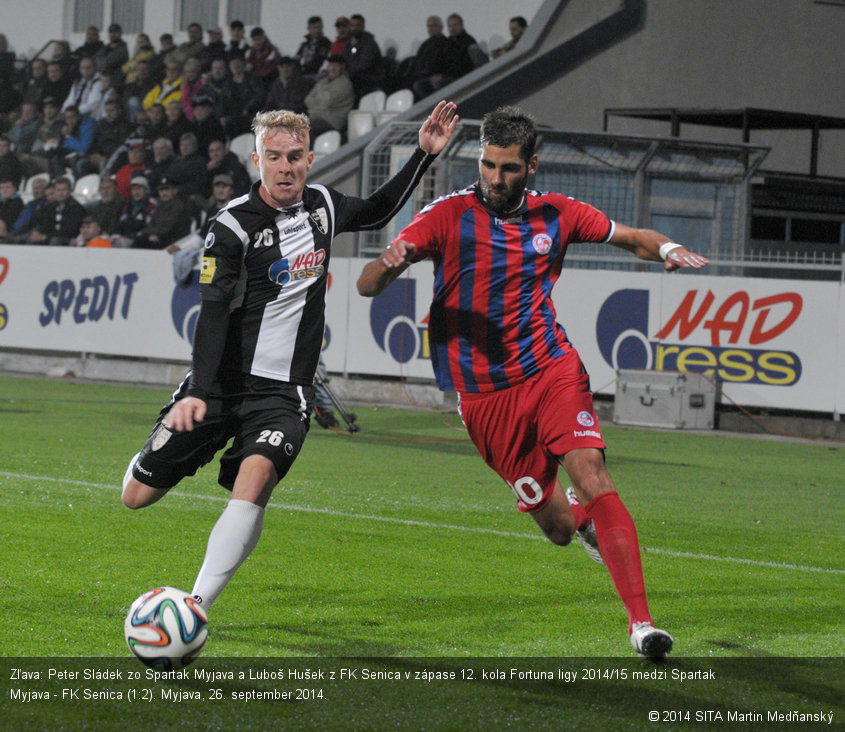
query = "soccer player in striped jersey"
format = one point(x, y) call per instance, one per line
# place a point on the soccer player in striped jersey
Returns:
point(524, 395)
point(260, 331)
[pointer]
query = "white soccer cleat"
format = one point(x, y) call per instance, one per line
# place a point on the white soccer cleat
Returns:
point(650, 642)
point(586, 537)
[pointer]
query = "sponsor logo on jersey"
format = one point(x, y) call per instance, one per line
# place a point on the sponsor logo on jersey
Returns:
point(542, 243)
point(728, 323)
point(305, 267)
point(209, 265)
point(585, 419)
point(586, 433)
point(294, 229)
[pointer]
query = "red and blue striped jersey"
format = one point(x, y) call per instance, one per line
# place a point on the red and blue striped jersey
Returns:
point(492, 322)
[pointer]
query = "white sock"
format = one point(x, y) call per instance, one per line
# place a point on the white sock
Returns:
point(231, 540)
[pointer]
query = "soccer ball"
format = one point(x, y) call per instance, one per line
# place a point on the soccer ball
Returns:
point(166, 628)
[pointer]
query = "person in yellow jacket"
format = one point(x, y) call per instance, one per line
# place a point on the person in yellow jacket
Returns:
point(169, 89)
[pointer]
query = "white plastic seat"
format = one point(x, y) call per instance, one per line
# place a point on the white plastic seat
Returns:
point(385, 116)
point(372, 101)
point(326, 143)
point(243, 146)
point(359, 122)
point(87, 188)
point(399, 101)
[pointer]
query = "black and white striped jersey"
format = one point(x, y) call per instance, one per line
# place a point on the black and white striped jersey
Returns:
point(265, 275)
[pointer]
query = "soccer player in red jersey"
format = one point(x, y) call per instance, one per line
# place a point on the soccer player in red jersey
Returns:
point(524, 395)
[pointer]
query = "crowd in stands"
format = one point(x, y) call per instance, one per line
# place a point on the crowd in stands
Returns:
point(154, 126)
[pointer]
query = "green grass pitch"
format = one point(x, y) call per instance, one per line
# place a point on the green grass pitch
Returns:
point(398, 545)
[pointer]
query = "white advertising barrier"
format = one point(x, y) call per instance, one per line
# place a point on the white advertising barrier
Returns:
point(769, 343)
point(108, 301)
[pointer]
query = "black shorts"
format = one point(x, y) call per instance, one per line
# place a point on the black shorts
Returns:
point(264, 417)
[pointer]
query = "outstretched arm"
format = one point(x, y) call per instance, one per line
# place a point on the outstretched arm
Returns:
point(656, 247)
point(379, 273)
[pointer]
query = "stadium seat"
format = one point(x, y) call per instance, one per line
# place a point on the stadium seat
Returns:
point(87, 188)
point(399, 101)
point(243, 146)
point(326, 143)
point(372, 102)
point(359, 122)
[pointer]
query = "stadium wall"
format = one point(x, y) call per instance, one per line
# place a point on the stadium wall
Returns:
point(775, 344)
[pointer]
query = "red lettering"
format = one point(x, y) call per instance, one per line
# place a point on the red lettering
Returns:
point(298, 263)
point(720, 322)
point(683, 317)
point(758, 334)
point(4, 268)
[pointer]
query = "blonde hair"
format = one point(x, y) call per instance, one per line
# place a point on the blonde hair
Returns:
point(296, 124)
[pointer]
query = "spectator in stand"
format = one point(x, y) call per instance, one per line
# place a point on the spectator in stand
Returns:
point(168, 89)
point(223, 161)
point(25, 222)
point(58, 221)
point(111, 57)
point(136, 213)
point(111, 133)
point(191, 85)
point(341, 27)
point(177, 123)
point(63, 56)
point(216, 48)
point(144, 51)
point(24, 130)
point(10, 166)
point(243, 96)
point(364, 62)
point(430, 64)
point(77, 140)
point(289, 90)
point(108, 93)
point(163, 157)
point(155, 124)
point(11, 205)
point(238, 45)
point(222, 192)
point(207, 126)
point(47, 141)
point(108, 207)
point(91, 46)
point(331, 99)
point(159, 61)
point(314, 50)
point(85, 92)
point(134, 166)
point(192, 48)
point(188, 172)
point(58, 82)
point(169, 220)
point(516, 27)
point(262, 58)
point(35, 82)
point(90, 235)
point(215, 83)
point(135, 91)
point(458, 60)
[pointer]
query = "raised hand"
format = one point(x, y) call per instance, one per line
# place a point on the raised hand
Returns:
point(438, 127)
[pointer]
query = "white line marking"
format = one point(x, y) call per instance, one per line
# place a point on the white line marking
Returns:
point(448, 527)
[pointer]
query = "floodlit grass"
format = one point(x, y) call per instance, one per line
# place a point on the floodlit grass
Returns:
point(399, 544)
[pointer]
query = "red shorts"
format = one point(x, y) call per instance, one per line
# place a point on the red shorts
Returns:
point(520, 432)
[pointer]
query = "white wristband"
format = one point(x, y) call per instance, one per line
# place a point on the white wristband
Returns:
point(666, 247)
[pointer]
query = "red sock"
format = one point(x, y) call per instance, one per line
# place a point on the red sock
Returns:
point(620, 550)
point(580, 514)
